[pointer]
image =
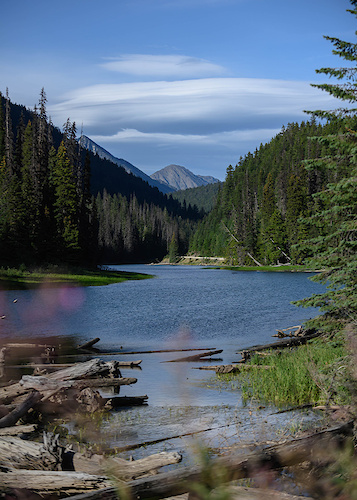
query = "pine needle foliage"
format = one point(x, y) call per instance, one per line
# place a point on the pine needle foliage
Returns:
point(333, 248)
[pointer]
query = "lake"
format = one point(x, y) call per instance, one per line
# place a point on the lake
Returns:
point(182, 307)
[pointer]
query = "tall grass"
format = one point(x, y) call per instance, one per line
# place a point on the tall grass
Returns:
point(307, 374)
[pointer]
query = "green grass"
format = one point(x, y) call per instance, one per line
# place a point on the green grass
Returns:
point(306, 374)
point(11, 278)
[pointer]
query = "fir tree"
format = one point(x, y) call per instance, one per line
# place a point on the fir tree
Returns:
point(334, 248)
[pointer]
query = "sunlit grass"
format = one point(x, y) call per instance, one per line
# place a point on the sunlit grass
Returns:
point(307, 374)
point(53, 276)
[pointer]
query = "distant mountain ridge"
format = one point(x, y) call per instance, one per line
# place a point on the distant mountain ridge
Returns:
point(167, 180)
point(87, 143)
point(179, 178)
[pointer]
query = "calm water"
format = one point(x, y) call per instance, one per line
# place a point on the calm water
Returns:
point(182, 307)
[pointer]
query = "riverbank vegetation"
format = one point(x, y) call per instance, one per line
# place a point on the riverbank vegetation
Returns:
point(314, 374)
point(12, 278)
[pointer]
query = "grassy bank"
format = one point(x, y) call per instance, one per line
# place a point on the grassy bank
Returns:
point(54, 276)
point(272, 269)
point(312, 373)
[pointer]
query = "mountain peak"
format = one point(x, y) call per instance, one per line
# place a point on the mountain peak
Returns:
point(179, 178)
point(87, 143)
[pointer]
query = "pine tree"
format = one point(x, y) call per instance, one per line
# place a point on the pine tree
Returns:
point(65, 204)
point(335, 246)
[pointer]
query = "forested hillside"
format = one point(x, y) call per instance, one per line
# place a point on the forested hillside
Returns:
point(203, 197)
point(260, 207)
point(60, 203)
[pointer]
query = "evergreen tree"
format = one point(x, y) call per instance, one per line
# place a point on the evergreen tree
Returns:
point(334, 248)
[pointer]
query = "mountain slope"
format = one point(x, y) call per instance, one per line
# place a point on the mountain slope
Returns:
point(180, 178)
point(87, 143)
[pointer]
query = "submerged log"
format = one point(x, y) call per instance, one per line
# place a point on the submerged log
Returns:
point(121, 401)
point(195, 357)
point(89, 344)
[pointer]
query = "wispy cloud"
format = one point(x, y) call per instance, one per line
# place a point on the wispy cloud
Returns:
point(220, 138)
point(189, 106)
point(161, 66)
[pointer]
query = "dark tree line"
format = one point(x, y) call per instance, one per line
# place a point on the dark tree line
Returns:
point(60, 203)
point(45, 201)
point(139, 232)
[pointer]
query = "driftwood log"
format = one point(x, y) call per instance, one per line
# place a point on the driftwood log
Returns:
point(120, 468)
point(233, 467)
point(281, 344)
point(89, 369)
point(22, 454)
point(233, 368)
point(11, 418)
point(195, 357)
point(45, 481)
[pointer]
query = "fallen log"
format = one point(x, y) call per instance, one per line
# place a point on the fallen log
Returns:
point(229, 468)
point(244, 493)
point(88, 369)
point(129, 363)
point(232, 368)
point(195, 357)
point(43, 383)
point(290, 342)
point(17, 430)
point(23, 454)
point(235, 467)
point(89, 344)
point(11, 418)
point(123, 469)
point(121, 401)
point(43, 482)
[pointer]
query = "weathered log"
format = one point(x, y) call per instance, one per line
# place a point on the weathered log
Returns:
point(121, 401)
point(11, 418)
point(233, 467)
point(290, 342)
point(43, 482)
point(195, 357)
point(120, 468)
point(238, 467)
point(17, 430)
point(243, 493)
point(23, 454)
point(88, 344)
point(232, 368)
point(129, 363)
point(43, 383)
point(88, 369)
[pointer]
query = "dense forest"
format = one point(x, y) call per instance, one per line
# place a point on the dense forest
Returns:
point(62, 204)
point(260, 209)
point(203, 197)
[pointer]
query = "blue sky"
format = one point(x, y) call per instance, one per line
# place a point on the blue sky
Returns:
point(197, 83)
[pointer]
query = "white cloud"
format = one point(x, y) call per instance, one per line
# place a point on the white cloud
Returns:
point(227, 139)
point(163, 66)
point(190, 106)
